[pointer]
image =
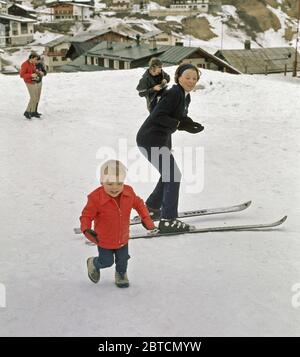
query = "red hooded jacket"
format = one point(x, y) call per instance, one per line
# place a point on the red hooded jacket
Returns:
point(27, 69)
point(111, 222)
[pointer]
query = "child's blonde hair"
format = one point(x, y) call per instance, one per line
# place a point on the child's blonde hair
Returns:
point(113, 171)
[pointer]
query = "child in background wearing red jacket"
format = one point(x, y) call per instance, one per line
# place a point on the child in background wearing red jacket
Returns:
point(109, 207)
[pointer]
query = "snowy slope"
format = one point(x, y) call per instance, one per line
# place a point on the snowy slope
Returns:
point(224, 284)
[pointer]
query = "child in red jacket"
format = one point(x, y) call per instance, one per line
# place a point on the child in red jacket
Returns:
point(109, 207)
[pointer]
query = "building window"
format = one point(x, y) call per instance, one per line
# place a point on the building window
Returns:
point(24, 29)
point(127, 65)
point(116, 64)
point(100, 61)
point(111, 63)
point(121, 64)
point(14, 28)
point(106, 62)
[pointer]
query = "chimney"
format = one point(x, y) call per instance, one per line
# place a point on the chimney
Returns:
point(247, 45)
point(138, 37)
point(152, 44)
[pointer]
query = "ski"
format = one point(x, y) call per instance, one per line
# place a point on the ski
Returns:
point(244, 227)
point(204, 212)
point(195, 213)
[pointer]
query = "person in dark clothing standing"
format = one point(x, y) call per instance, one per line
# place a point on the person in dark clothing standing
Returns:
point(154, 141)
point(153, 83)
point(41, 71)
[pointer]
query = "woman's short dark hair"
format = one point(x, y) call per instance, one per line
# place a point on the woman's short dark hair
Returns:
point(183, 67)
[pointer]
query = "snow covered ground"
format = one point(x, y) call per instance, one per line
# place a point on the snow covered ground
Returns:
point(218, 284)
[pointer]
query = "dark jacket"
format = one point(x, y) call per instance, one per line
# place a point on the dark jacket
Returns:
point(40, 67)
point(163, 120)
point(146, 84)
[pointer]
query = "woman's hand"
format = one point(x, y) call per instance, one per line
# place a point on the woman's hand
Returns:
point(190, 126)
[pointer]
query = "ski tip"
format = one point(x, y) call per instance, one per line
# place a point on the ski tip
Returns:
point(280, 221)
point(283, 219)
point(247, 204)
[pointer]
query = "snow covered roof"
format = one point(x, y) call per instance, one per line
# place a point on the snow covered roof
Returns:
point(125, 30)
point(151, 34)
point(16, 18)
point(26, 8)
point(69, 1)
point(85, 36)
point(81, 5)
point(58, 41)
point(54, 3)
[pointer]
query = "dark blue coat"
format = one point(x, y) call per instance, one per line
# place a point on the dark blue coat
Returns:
point(157, 129)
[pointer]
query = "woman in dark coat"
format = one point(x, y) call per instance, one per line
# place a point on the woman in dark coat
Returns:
point(154, 141)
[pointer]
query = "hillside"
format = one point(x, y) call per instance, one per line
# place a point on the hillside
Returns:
point(259, 20)
point(268, 23)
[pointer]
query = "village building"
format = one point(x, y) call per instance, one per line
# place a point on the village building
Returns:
point(71, 11)
point(182, 8)
point(23, 11)
point(55, 53)
point(116, 56)
point(175, 55)
point(3, 7)
point(201, 6)
point(113, 56)
point(82, 43)
point(120, 55)
point(161, 37)
point(260, 60)
point(15, 30)
point(121, 5)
